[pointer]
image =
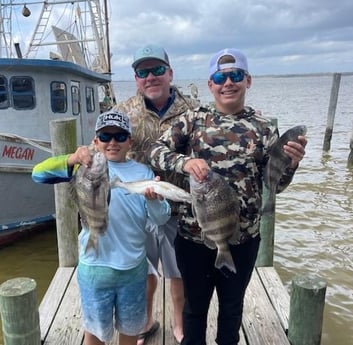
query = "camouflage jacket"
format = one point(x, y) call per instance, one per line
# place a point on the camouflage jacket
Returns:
point(147, 126)
point(233, 145)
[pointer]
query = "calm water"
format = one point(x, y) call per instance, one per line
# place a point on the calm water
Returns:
point(314, 215)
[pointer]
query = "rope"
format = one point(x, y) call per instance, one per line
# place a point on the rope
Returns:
point(32, 142)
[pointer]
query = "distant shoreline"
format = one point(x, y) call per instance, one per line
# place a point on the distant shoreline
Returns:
point(268, 76)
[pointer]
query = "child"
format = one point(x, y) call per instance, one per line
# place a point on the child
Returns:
point(113, 282)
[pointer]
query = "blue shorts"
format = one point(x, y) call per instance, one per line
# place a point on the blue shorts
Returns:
point(160, 246)
point(108, 294)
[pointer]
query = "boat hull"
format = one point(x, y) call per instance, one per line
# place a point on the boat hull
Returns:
point(25, 135)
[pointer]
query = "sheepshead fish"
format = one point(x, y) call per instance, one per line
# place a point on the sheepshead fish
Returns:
point(216, 208)
point(91, 192)
point(278, 162)
point(166, 189)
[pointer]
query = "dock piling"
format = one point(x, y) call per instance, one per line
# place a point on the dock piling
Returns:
point(267, 228)
point(64, 140)
point(331, 111)
point(307, 303)
point(19, 312)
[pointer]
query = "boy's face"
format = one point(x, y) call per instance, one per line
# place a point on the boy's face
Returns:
point(114, 148)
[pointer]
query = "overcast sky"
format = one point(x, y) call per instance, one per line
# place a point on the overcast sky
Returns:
point(278, 36)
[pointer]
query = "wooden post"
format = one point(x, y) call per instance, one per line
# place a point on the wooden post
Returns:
point(331, 111)
point(63, 137)
point(350, 156)
point(307, 303)
point(19, 312)
point(267, 229)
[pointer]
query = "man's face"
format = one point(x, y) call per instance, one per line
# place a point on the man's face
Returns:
point(154, 87)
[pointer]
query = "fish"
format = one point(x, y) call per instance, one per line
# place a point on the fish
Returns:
point(277, 163)
point(90, 190)
point(166, 189)
point(215, 205)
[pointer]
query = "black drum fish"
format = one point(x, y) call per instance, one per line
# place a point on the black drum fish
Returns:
point(216, 208)
point(277, 163)
point(90, 191)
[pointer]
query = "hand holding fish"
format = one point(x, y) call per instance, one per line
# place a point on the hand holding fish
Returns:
point(198, 168)
point(295, 150)
point(82, 156)
point(150, 194)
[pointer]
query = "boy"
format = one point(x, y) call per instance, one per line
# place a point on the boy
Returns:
point(112, 280)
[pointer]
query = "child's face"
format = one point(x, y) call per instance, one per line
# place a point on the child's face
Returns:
point(114, 148)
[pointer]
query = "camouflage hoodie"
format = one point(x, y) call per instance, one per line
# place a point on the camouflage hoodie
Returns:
point(234, 145)
point(147, 126)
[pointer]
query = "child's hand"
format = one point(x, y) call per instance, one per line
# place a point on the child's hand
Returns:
point(81, 156)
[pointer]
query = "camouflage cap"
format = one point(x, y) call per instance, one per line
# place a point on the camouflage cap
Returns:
point(113, 118)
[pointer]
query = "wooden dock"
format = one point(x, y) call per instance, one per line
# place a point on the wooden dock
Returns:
point(265, 319)
point(269, 313)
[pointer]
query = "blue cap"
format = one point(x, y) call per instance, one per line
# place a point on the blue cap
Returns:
point(149, 52)
point(113, 118)
point(239, 58)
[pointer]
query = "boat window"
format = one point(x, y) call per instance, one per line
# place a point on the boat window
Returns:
point(23, 94)
point(58, 96)
point(4, 97)
point(90, 101)
point(75, 96)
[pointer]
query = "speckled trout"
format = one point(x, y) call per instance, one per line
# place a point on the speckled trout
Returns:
point(215, 206)
point(166, 189)
point(91, 192)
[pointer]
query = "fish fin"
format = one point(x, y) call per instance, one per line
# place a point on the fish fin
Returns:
point(210, 244)
point(109, 196)
point(92, 243)
point(225, 259)
point(72, 190)
point(115, 182)
point(234, 239)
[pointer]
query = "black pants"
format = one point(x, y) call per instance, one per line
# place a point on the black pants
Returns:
point(200, 278)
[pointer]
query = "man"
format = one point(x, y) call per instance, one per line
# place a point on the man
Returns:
point(232, 140)
point(156, 103)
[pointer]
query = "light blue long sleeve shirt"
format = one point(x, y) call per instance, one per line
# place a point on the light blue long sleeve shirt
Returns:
point(122, 246)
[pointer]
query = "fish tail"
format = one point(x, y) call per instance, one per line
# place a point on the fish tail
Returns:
point(225, 259)
point(92, 243)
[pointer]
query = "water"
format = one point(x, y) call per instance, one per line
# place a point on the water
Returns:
point(314, 214)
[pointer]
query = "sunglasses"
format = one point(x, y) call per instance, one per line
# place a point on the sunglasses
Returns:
point(235, 76)
point(156, 71)
point(107, 137)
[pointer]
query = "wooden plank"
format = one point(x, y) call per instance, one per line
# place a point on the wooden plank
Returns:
point(66, 328)
point(276, 292)
point(260, 321)
point(169, 315)
point(53, 297)
point(159, 313)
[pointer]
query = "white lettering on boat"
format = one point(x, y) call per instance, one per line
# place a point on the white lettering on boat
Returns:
point(16, 152)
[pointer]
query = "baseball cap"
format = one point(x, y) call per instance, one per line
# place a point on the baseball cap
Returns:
point(113, 118)
point(239, 57)
point(148, 52)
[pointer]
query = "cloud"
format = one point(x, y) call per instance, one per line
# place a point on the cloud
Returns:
point(278, 36)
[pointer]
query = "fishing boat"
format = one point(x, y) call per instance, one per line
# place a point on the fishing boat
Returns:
point(40, 85)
